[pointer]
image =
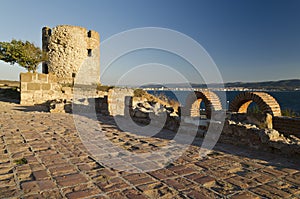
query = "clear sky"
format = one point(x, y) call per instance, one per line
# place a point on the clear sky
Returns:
point(249, 40)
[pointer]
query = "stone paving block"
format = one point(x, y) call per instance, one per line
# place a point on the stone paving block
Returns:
point(31, 159)
point(241, 182)
point(101, 197)
point(157, 190)
point(70, 180)
point(112, 184)
point(24, 175)
point(295, 179)
point(200, 193)
point(219, 172)
point(62, 169)
point(139, 178)
point(263, 178)
point(87, 166)
point(20, 147)
point(264, 191)
point(146, 166)
point(116, 195)
point(290, 171)
point(81, 191)
point(179, 183)
point(101, 174)
point(79, 160)
point(8, 191)
point(46, 184)
point(208, 163)
point(287, 187)
point(6, 176)
point(8, 182)
point(206, 181)
point(5, 170)
point(4, 158)
point(251, 165)
point(162, 174)
point(53, 194)
point(46, 153)
point(195, 176)
point(273, 172)
point(224, 188)
point(182, 169)
point(33, 196)
point(134, 194)
point(245, 195)
point(53, 159)
point(41, 175)
point(40, 147)
point(36, 167)
point(30, 187)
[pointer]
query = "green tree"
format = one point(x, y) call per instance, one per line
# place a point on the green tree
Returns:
point(26, 54)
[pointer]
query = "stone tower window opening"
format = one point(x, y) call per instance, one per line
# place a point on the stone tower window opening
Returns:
point(45, 68)
point(89, 34)
point(89, 52)
point(49, 32)
point(47, 48)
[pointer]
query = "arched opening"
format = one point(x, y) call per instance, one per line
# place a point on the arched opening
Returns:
point(201, 104)
point(198, 109)
point(256, 102)
point(250, 107)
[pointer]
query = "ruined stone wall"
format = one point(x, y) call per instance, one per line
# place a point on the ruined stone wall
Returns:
point(287, 125)
point(119, 99)
point(37, 88)
point(68, 48)
point(263, 139)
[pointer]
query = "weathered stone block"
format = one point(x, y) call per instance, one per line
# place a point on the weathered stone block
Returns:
point(33, 86)
point(34, 77)
point(67, 90)
point(43, 77)
point(46, 86)
point(23, 86)
point(26, 77)
point(52, 78)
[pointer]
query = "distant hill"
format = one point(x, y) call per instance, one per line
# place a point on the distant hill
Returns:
point(9, 83)
point(291, 84)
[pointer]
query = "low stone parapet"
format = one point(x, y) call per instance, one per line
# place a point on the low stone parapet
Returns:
point(287, 125)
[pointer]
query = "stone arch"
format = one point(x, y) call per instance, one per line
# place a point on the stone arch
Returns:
point(194, 99)
point(264, 101)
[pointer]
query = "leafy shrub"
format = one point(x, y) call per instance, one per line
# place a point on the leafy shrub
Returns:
point(139, 92)
point(289, 113)
point(21, 161)
point(104, 88)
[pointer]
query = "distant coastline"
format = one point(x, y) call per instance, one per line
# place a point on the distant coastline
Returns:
point(281, 85)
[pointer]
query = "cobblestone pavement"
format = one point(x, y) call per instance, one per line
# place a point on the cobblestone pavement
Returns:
point(42, 156)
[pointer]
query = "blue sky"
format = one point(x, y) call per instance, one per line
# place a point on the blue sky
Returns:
point(249, 40)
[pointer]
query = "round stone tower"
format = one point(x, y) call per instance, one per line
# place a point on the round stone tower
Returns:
point(68, 47)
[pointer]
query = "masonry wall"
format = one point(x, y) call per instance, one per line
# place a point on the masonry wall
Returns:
point(37, 88)
point(287, 125)
point(119, 101)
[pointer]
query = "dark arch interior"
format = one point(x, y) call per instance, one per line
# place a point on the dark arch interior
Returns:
point(254, 108)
